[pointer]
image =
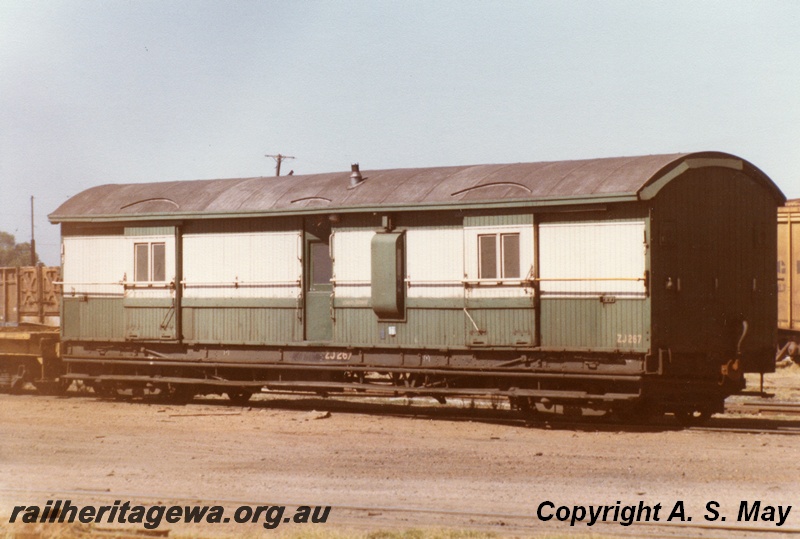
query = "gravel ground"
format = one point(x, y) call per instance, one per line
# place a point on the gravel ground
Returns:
point(393, 466)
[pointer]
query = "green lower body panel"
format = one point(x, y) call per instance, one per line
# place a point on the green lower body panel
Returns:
point(566, 323)
point(448, 325)
point(242, 325)
point(93, 319)
point(591, 324)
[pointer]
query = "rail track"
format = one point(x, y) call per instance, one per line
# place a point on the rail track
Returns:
point(758, 417)
point(764, 408)
point(741, 418)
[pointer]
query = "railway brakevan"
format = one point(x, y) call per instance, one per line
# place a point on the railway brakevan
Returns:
point(637, 284)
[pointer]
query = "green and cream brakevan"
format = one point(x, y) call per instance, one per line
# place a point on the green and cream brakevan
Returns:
point(630, 284)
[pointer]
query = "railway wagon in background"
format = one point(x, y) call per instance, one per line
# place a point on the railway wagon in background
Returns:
point(789, 277)
point(29, 321)
point(629, 284)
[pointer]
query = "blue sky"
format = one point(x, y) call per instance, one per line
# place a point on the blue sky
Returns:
point(142, 91)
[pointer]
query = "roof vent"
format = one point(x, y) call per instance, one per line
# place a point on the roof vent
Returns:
point(355, 175)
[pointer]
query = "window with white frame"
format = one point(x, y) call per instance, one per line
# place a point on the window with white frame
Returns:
point(498, 256)
point(150, 262)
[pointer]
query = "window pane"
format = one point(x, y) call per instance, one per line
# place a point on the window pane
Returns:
point(321, 264)
point(141, 262)
point(510, 256)
point(159, 262)
point(487, 264)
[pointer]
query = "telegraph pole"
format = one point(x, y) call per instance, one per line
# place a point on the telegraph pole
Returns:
point(278, 158)
point(33, 241)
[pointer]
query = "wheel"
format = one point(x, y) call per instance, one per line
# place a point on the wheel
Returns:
point(179, 393)
point(239, 398)
point(57, 387)
point(526, 406)
point(105, 390)
point(637, 414)
point(18, 381)
point(692, 418)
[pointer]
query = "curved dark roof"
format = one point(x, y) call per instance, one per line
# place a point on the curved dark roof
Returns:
point(558, 182)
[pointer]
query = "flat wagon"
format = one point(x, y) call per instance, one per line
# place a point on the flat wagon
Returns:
point(29, 327)
point(630, 284)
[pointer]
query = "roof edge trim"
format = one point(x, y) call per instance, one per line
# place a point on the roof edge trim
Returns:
point(654, 187)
